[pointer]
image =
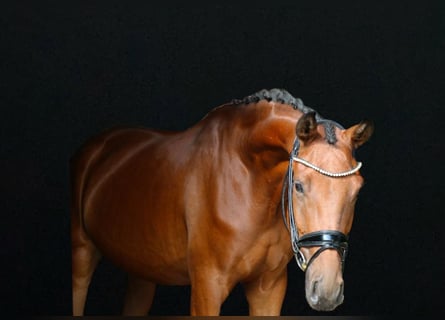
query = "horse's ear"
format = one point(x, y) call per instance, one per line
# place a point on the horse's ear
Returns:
point(307, 127)
point(360, 133)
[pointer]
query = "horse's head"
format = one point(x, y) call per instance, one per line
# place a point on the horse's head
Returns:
point(325, 183)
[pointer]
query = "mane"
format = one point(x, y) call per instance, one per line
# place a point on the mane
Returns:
point(284, 97)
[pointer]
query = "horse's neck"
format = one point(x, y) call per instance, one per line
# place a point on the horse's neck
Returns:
point(266, 154)
point(257, 140)
point(261, 133)
point(271, 137)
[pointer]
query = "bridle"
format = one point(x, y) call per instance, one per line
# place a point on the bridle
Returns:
point(324, 239)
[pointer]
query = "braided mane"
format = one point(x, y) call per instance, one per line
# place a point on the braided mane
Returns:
point(284, 97)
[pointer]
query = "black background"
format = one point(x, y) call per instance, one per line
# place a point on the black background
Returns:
point(69, 72)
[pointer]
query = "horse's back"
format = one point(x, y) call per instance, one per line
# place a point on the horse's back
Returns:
point(108, 146)
point(124, 201)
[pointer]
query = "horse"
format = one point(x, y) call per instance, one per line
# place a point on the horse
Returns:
point(230, 200)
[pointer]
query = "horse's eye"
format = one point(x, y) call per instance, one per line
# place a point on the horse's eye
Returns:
point(299, 187)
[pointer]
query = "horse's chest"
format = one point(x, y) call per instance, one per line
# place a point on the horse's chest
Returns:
point(264, 256)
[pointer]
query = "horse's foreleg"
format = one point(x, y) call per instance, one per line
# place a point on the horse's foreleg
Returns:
point(265, 294)
point(139, 296)
point(209, 290)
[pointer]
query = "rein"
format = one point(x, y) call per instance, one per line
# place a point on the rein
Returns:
point(324, 239)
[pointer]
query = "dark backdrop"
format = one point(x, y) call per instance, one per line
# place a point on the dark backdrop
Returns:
point(69, 72)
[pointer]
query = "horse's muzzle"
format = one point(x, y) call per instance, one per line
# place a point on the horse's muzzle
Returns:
point(324, 297)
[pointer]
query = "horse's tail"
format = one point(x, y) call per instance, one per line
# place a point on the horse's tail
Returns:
point(79, 169)
point(78, 172)
point(85, 255)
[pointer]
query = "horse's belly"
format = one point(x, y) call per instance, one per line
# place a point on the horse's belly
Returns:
point(137, 222)
point(140, 244)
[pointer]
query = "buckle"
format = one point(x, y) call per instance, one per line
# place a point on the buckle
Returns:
point(301, 260)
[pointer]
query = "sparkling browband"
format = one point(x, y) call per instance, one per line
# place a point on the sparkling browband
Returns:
point(327, 173)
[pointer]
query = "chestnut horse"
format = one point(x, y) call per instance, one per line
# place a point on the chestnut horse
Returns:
point(229, 200)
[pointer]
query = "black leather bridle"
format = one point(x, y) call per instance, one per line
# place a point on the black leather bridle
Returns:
point(323, 239)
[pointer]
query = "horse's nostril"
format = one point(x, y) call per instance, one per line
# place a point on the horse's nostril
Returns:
point(314, 287)
point(314, 292)
point(340, 294)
